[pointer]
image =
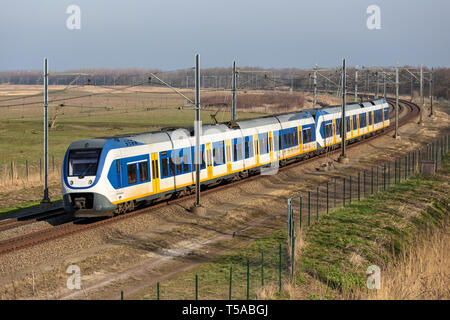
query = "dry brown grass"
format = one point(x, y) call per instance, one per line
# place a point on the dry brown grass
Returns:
point(422, 272)
point(258, 101)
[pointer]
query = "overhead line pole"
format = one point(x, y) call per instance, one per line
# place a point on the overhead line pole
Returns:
point(421, 84)
point(233, 106)
point(396, 136)
point(356, 85)
point(343, 158)
point(46, 198)
point(431, 92)
point(315, 87)
point(197, 130)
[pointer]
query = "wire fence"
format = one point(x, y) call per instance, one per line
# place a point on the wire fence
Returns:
point(29, 173)
point(275, 265)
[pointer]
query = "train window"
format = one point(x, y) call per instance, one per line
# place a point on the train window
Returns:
point(83, 162)
point(263, 143)
point(218, 153)
point(132, 173)
point(355, 123)
point(171, 167)
point(185, 162)
point(248, 147)
point(306, 135)
point(328, 130)
point(178, 161)
point(164, 168)
point(370, 118)
point(143, 171)
point(348, 124)
point(386, 114)
point(338, 126)
point(237, 149)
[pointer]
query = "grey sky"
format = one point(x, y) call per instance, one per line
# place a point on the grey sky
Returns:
point(265, 33)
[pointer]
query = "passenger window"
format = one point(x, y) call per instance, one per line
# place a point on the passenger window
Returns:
point(171, 167)
point(143, 171)
point(132, 173)
point(185, 163)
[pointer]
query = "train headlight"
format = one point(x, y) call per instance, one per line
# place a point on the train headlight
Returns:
point(71, 182)
point(90, 181)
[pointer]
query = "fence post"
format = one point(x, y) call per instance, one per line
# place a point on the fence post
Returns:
point(377, 179)
point(384, 176)
point(157, 291)
point(309, 208)
point(389, 174)
point(343, 195)
point(293, 255)
point(12, 171)
point(364, 183)
point(395, 171)
point(371, 181)
point(121, 295)
point(196, 287)
point(406, 167)
point(53, 164)
point(317, 204)
point(359, 185)
point(262, 268)
point(327, 197)
point(40, 169)
point(248, 279)
point(279, 273)
point(289, 219)
point(301, 213)
point(335, 179)
point(350, 189)
point(231, 280)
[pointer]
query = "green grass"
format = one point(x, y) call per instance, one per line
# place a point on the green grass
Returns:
point(25, 205)
point(374, 229)
point(214, 275)
point(23, 138)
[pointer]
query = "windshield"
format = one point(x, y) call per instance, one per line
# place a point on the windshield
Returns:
point(83, 162)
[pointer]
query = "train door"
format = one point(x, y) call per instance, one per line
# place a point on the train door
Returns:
point(300, 139)
point(228, 152)
point(357, 121)
point(155, 172)
point(255, 139)
point(270, 146)
point(209, 166)
point(334, 130)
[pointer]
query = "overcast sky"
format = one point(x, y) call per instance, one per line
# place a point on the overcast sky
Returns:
point(166, 34)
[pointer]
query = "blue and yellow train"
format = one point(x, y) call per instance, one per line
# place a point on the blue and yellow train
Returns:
point(111, 175)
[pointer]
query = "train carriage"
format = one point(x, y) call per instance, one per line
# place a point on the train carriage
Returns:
point(110, 175)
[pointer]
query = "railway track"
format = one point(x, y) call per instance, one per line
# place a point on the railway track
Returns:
point(81, 224)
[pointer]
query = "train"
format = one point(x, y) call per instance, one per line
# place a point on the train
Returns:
point(107, 176)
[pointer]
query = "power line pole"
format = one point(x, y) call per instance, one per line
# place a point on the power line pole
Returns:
point(396, 136)
point(46, 199)
point(356, 85)
point(368, 83)
point(343, 157)
point(233, 106)
point(384, 84)
point(411, 87)
point(421, 84)
point(315, 87)
point(431, 92)
point(197, 130)
point(378, 86)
